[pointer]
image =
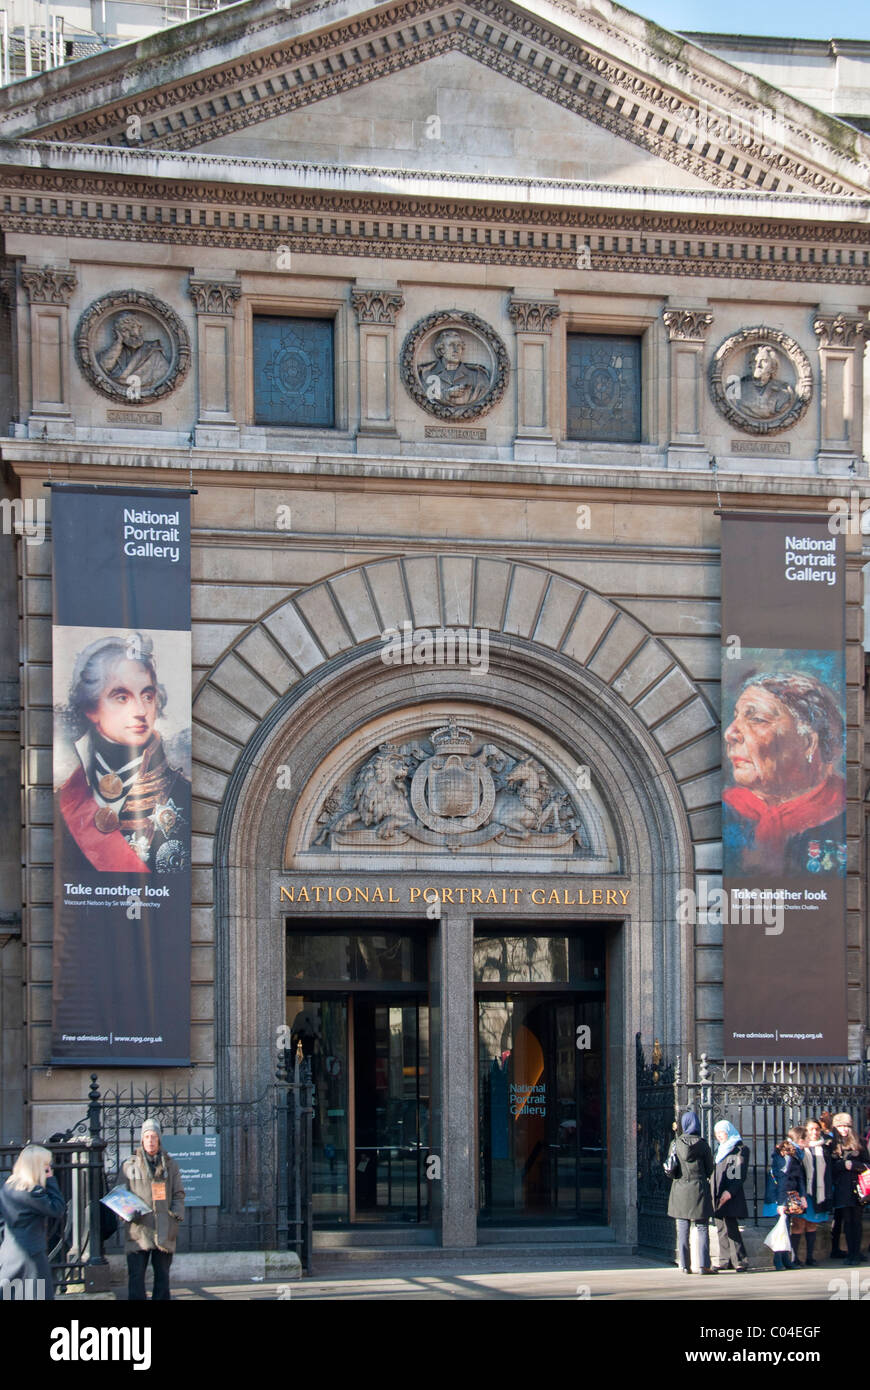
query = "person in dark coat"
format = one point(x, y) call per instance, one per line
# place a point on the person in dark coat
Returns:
point(729, 1199)
point(828, 1136)
point(29, 1199)
point(819, 1185)
point(790, 1184)
point(691, 1202)
point(849, 1157)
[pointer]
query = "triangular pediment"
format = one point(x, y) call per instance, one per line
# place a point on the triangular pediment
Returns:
point(445, 116)
point(543, 87)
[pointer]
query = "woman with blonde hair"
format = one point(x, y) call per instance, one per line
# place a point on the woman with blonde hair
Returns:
point(29, 1199)
point(849, 1157)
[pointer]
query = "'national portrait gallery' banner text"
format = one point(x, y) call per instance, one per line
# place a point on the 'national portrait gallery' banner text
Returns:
point(122, 804)
point(784, 790)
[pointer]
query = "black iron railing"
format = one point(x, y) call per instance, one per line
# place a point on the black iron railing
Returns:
point(763, 1100)
point(263, 1153)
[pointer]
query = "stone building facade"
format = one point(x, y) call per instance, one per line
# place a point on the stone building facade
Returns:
point(463, 321)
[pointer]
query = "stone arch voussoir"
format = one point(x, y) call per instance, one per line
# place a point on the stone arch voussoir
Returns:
point(333, 618)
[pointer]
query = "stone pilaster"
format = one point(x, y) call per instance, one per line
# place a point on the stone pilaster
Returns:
point(217, 359)
point(457, 1033)
point(842, 338)
point(376, 311)
point(533, 321)
point(49, 290)
point(687, 331)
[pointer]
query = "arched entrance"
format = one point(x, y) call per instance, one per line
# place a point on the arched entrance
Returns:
point(533, 701)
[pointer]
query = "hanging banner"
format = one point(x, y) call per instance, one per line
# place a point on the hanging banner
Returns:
point(784, 790)
point(122, 712)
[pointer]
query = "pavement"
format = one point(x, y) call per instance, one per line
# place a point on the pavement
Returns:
point(598, 1279)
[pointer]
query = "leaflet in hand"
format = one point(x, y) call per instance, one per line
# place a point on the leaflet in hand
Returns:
point(125, 1203)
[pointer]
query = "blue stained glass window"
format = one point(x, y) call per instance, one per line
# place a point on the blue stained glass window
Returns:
point(294, 376)
point(604, 384)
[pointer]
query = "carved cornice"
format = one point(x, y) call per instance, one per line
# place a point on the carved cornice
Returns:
point(377, 306)
point(568, 71)
point(47, 284)
point(214, 296)
point(687, 325)
point(533, 315)
point(823, 269)
point(163, 197)
point(840, 330)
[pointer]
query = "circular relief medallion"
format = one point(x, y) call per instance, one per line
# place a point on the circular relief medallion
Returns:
point(454, 365)
point(761, 380)
point(132, 347)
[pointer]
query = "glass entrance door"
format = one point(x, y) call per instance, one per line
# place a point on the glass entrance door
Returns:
point(391, 1110)
point(540, 1110)
point(540, 1078)
point(357, 1002)
point(370, 1072)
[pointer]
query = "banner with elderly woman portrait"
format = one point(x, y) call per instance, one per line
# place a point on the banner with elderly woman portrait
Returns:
point(784, 790)
point(121, 676)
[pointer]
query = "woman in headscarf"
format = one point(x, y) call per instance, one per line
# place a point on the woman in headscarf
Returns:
point(819, 1180)
point(729, 1199)
point(690, 1202)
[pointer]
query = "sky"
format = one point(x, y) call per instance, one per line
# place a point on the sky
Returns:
point(800, 19)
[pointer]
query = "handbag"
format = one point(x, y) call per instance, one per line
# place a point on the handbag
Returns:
point(671, 1164)
point(862, 1187)
point(794, 1204)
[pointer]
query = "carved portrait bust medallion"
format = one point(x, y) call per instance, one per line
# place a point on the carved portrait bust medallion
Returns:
point(132, 347)
point(761, 380)
point(454, 365)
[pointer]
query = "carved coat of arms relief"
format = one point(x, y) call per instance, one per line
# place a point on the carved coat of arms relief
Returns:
point(454, 791)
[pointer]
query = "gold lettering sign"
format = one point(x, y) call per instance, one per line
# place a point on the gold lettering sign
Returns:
point(495, 896)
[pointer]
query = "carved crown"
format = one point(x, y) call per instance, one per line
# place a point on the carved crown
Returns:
point(452, 738)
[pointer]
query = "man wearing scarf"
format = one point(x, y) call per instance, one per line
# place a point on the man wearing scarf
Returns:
point(154, 1177)
point(729, 1199)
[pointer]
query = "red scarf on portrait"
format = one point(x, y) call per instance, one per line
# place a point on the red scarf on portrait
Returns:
point(774, 825)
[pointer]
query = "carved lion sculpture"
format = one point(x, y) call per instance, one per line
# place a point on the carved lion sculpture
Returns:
point(380, 798)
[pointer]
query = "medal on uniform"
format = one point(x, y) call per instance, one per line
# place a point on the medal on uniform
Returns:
point(106, 820)
point(110, 786)
point(165, 817)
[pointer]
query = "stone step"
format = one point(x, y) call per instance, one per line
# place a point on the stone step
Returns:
point(546, 1235)
point(414, 1237)
point(339, 1261)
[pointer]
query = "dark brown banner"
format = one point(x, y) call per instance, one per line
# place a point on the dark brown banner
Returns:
point(122, 767)
point(784, 789)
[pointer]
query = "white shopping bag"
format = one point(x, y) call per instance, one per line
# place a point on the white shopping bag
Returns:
point(778, 1239)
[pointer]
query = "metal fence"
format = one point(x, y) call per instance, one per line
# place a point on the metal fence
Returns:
point(263, 1156)
point(763, 1100)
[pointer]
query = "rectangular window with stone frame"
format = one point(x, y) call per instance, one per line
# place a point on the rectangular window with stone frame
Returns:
point(294, 371)
point(604, 388)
